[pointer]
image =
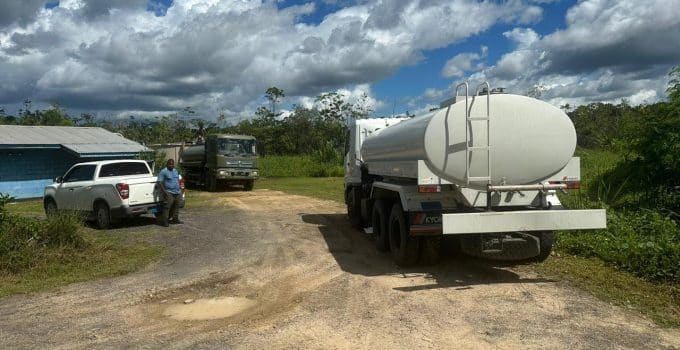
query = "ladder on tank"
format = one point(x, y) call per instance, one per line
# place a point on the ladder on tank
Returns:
point(469, 148)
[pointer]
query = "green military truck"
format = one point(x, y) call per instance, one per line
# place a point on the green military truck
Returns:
point(221, 160)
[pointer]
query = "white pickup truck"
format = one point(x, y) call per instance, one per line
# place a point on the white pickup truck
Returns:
point(106, 191)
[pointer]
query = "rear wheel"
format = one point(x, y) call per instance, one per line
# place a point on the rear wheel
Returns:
point(546, 241)
point(354, 208)
point(404, 247)
point(379, 224)
point(212, 183)
point(50, 207)
point(248, 185)
point(102, 215)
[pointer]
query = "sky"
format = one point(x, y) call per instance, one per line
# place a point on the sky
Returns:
point(145, 58)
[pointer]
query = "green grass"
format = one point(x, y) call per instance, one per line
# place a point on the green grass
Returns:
point(297, 166)
point(26, 208)
point(105, 256)
point(330, 188)
point(45, 254)
point(659, 302)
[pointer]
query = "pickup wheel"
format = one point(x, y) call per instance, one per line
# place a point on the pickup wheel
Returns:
point(102, 215)
point(248, 185)
point(404, 247)
point(379, 224)
point(50, 207)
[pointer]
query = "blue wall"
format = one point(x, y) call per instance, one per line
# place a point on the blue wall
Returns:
point(24, 173)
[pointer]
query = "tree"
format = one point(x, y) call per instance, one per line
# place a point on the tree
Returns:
point(673, 89)
point(274, 95)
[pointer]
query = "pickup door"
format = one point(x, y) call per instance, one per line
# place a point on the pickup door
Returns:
point(74, 183)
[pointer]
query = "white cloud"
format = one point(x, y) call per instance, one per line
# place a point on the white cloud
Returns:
point(609, 51)
point(461, 63)
point(116, 56)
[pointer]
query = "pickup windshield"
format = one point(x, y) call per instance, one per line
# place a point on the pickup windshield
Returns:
point(236, 147)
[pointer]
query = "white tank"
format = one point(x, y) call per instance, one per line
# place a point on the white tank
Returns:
point(530, 141)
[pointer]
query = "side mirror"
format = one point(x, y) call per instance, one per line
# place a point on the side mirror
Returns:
point(59, 179)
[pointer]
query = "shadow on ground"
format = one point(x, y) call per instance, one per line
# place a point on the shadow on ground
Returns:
point(356, 254)
point(140, 221)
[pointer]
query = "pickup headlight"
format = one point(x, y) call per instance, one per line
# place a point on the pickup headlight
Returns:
point(254, 173)
point(222, 172)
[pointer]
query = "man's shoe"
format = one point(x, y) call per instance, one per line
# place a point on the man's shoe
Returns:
point(176, 222)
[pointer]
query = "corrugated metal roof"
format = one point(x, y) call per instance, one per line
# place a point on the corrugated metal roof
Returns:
point(81, 140)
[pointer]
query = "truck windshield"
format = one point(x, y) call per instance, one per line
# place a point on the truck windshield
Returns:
point(236, 147)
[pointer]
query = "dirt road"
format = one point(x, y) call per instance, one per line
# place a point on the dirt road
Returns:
point(265, 270)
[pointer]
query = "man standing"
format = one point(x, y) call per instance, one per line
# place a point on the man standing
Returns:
point(168, 181)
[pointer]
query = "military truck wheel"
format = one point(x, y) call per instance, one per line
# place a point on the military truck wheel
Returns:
point(546, 240)
point(50, 207)
point(102, 215)
point(248, 185)
point(404, 247)
point(431, 248)
point(353, 202)
point(379, 224)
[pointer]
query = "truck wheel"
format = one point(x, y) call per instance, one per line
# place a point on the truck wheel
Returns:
point(50, 207)
point(431, 248)
point(379, 224)
point(546, 240)
point(354, 208)
point(102, 215)
point(249, 184)
point(404, 247)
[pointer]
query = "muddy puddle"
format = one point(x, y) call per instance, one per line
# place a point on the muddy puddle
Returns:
point(209, 309)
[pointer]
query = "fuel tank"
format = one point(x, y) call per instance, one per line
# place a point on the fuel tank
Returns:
point(193, 155)
point(528, 140)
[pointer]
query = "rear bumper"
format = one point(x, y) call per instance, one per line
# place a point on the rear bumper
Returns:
point(123, 212)
point(524, 220)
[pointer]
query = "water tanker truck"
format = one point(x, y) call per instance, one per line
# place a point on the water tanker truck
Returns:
point(221, 160)
point(483, 170)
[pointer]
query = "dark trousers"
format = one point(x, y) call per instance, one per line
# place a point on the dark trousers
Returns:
point(170, 207)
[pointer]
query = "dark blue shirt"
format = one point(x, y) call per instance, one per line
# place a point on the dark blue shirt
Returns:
point(170, 180)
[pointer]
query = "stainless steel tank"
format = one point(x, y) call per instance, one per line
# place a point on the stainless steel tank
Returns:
point(527, 139)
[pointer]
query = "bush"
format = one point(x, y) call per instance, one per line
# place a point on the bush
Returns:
point(23, 239)
point(644, 243)
point(4, 199)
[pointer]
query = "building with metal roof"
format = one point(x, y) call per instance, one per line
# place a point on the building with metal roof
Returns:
point(32, 156)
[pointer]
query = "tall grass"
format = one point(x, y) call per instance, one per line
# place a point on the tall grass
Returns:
point(24, 239)
point(642, 241)
point(298, 166)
